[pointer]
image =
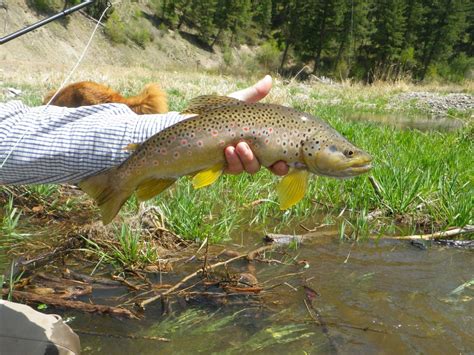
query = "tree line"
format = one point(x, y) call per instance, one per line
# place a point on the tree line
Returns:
point(362, 39)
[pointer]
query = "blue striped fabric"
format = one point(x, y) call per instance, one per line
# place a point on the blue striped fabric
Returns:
point(50, 144)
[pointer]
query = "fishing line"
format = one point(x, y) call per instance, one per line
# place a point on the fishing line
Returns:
point(65, 81)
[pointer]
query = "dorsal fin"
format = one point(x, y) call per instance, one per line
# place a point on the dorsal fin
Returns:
point(132, 147)
point(206, 103)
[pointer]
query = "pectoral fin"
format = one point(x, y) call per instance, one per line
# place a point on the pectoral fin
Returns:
point(291, 188)
point(152, 187)
point(208, 176)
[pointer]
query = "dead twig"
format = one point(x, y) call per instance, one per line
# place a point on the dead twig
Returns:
point(376, 187)
point(438, 235)
point(71, 274)
point(249, 256)
point(126, 283)
point(62, 303)
point(310, 230)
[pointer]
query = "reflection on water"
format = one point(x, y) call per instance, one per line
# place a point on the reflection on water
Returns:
point(373, 297)
point(401, 121)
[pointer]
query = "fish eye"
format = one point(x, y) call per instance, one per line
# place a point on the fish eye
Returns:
point(348, 153)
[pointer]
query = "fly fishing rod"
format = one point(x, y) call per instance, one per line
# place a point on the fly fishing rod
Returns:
point(43, 22)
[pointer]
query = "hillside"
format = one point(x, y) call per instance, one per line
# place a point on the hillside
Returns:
point(55, 47)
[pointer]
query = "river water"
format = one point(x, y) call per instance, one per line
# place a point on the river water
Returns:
point(421, 123)
point(387, 296)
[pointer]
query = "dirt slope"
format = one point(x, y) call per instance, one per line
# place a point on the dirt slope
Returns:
point(57, 45)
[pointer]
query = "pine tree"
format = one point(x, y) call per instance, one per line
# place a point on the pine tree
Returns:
point(387, 41)
point(201, 14)
point(320, 26)
point(262, 16)
point(446, 20)
point(287, 19)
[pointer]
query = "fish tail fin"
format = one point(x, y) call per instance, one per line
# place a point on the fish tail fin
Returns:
point(108, 195)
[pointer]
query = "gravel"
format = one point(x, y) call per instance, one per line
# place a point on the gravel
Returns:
point(434, 103)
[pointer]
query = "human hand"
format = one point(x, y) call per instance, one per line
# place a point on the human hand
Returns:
point(241, 157)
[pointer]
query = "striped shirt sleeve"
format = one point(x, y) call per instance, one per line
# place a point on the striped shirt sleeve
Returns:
point(50, 144)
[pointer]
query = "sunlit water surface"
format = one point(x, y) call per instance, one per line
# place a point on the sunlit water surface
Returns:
point(373, 297)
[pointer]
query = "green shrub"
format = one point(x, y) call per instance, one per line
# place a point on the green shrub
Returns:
point(141, 36)
point(227, 55)
point(115, 29)
point(268, 55)
point(456, 70)
point(46, 6)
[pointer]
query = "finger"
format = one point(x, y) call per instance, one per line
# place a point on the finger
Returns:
point(248, 159)
point(256, 92)
point(234, 165)
point(280, 168)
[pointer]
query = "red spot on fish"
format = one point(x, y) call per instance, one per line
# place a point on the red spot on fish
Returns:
point(172, 138)
point(267, 141)
point(184, 141)
point(270, 129)
point(221, 143)
point(214, 133)
point(246, 129)
point(163, 151)
point(199, 143)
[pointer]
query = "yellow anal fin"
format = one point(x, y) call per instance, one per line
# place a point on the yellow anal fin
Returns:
point(292, 187)
point(208, 176)
point(107, 193)
point(152, 187)
point(206, 103)
point(131, 146)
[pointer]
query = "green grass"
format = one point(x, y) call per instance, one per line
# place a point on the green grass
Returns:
point(426, 178)
point(9, 225)
point(126, 249)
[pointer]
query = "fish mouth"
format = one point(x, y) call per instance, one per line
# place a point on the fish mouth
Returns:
point(358, 169)
point(341, 167)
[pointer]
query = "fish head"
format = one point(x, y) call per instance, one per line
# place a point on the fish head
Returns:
point(330, 154)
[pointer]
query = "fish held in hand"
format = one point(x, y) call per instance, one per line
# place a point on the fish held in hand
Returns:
point(195, 146)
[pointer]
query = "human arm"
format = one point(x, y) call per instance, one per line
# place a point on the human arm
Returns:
point(50, 144)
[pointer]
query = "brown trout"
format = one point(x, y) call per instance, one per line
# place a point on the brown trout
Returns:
point(195, 146)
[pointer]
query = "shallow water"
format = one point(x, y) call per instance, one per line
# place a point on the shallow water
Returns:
point(387, 297)
point(442, 124)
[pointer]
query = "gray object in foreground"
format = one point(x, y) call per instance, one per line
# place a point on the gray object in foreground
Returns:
point(26, 331)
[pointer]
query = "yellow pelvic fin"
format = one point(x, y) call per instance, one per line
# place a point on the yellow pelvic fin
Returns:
point(152, 187)
point(131, 147)
point(208, 176)
point(107, 193)
point(292, 187)
point(206, 103)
